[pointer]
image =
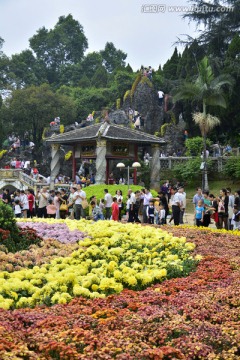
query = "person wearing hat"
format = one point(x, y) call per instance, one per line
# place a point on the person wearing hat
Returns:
point(176, 205)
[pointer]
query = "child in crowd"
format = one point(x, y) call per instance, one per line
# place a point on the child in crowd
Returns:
point(115, 209)
point(17, 209)
point(96, 212)
point(51, 209)
point(199, 213)
point(150, 212)
point(162, 215)
point(102, 205)
point(235, 222)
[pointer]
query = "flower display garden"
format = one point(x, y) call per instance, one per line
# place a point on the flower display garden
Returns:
point(107, 290)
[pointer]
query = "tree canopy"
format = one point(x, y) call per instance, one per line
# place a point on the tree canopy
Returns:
point(77, 82)
point(221, 21)
point(33, 108)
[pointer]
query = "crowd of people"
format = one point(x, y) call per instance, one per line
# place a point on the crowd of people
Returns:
point(13, 143)
point(223, 210)
point(139, 206)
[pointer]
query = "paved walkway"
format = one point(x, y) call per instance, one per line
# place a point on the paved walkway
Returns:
point(188, 219)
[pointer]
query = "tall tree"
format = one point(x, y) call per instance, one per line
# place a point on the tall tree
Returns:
point(61, 46)
point(221, 21)
point(112, 58)
point(3, 66)
point(25, 70)
point(100, 77)
point(91, 62)
point(206, 90)
point(123, 81)
point(190, 57)
point(171, 66)
point(33, 108)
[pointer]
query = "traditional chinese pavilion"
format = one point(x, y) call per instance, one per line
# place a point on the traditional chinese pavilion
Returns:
point(103, 143)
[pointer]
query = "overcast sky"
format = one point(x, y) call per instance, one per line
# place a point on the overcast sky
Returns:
point(147, 37)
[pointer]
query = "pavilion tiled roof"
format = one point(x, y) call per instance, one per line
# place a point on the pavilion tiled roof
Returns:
point(105, 131)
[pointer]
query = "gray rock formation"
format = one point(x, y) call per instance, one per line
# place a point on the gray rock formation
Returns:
point(118, 117)
point(145, 101)
point(174, 137)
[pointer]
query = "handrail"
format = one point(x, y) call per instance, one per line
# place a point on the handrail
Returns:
point(18, 174)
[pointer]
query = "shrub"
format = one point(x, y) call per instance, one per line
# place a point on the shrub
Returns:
point(194, 146)
point(232, 168)
point(7, 220)
point(191, 170)
point(11, 237)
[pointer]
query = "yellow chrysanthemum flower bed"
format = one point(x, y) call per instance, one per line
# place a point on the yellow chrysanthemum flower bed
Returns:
point(113, 256)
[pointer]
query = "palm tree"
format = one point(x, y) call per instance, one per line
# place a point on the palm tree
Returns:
point(207, 90)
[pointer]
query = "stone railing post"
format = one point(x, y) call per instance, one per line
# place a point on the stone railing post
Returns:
point(155, 167)
point(101, 163)
point(220, 163)
point(55, 164)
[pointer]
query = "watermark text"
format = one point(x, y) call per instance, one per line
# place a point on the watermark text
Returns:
point(162, 8)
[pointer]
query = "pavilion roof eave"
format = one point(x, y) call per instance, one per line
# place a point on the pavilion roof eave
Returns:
point(111, 132)
point(87, 140)
point(140, 141)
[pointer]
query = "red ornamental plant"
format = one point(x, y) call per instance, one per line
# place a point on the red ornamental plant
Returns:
point(186, 318)
point(4, 234)
point(190, 318)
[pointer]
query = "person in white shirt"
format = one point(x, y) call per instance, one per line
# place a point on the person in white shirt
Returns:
point(183, 198)
point(108, 204)
point(131, 202)
point(146, 196)
point(17, 209)
point(78, 196)
point(24, 203)
point(160, 97)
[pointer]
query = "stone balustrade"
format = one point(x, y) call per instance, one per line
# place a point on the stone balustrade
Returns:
point(18, 179)
point(168, 163)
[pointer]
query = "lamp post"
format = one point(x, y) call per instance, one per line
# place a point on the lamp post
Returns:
point(135, 165)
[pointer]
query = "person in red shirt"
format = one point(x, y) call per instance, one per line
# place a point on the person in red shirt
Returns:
point(31, 203)
point(115, 210)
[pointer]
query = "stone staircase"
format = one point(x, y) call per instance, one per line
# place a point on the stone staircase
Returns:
point(18, 179)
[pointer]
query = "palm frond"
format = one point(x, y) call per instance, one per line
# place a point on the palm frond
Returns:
point(187, 91)
point(222, 80)
point(216, 100)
